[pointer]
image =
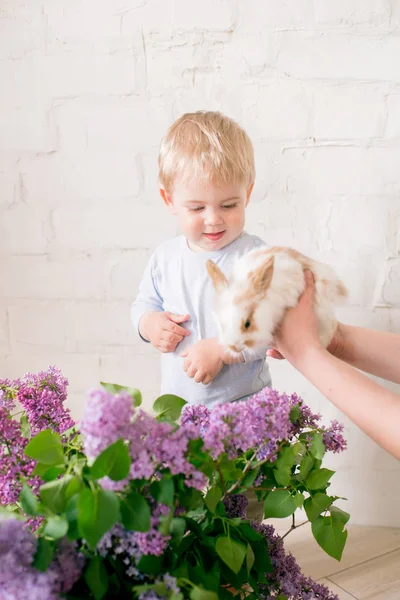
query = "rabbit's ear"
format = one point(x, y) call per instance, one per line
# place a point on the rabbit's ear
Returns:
point(217, 277)
point(261, 277)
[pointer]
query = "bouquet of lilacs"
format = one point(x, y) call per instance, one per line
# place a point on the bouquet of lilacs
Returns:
point(133, 505)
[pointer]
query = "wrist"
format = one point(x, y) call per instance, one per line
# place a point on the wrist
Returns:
point(143, 326)
point(306, 357)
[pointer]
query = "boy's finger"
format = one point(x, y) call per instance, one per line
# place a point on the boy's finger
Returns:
point(184, 353)
point(177, 318)
point(177, 329)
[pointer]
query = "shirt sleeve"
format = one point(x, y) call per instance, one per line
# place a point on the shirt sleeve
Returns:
point(148, 297)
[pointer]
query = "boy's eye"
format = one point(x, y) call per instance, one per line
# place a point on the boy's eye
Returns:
point(247, 324)
point(196, 209)
point(230, 205)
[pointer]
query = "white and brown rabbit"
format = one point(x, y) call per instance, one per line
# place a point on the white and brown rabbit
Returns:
point(263, 284)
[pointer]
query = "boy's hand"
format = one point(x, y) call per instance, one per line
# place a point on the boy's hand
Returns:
point(162, 329)
point(203, 360)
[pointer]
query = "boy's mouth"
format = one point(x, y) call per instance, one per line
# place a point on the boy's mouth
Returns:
point(214, 237)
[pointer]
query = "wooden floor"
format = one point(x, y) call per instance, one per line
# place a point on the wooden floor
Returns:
point(370, 566)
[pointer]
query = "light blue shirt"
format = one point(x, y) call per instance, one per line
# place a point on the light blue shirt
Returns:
point(176, 280)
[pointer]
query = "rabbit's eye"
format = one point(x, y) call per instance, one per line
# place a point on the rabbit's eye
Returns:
point(247, 324)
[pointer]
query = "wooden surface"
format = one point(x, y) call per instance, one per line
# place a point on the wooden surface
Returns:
point(370, 566)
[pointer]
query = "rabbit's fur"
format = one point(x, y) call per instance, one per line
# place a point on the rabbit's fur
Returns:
point(263, 284)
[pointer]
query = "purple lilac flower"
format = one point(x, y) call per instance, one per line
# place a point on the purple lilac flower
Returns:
point(121, 544)
point(333, 438)
point(14, 465)
point(107, 418)
point(236, 506)
point(287, 577)
point(42, 396)
point(130, 546)
point(153, 541)
point(198, 415)
point(18, 580)
point(66, 567)
point(170, 583)
point(235, 427)
point(8, 392)
point(332, 435)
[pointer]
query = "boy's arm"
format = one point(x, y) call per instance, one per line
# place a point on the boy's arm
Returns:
point(147, 300)
point(162, 329)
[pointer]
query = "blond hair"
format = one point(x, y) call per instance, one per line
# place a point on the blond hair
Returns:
point(206, 146)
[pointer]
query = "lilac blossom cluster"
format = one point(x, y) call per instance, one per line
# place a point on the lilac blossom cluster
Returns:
point(14, 465)
point(287, 577)
point(153, 445)
point(19, 580)
point(42, 397)
point(260, 422)
point(130, 546)
point(332, 436)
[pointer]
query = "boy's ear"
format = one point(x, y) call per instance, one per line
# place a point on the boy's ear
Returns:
point(167, 198)
point(248, 194)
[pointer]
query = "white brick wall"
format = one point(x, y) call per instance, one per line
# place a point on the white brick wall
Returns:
point(88, 89)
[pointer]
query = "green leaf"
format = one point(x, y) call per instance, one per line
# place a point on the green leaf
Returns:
point(295, 413)
point(113, 462)
point(163, 491)
point(135, 512)
point(339, 515)
point(98, 512)
point(150, 564)
point(74, 486)
point(52, 494)
point(115, 388)
point(330, 535)
point(318, 480)
point(25, 427)
point(28, 501)
point(212, 498)
point(71, 512)
point(306, 465)
point(198, 593)
point(250, 558)
point(44, 554)
point(262, 562)
point(96, 577)
point(283, 475)
point(298, 499)
point(280, 504)
point(56, 527)
point(177, 530)
point(286, 457)
point(231, 552)
point(46, 448)
point(169, 406)
point(317, 449)
point(315, 505)
point(250, 478)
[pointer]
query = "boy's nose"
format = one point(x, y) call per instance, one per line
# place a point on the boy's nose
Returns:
point(213, 217)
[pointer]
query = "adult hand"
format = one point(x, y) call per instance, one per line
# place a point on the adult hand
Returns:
point(299, 327)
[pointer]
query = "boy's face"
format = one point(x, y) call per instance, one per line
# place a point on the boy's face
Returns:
point(210, 216)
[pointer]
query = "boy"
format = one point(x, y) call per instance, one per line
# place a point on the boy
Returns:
point(206, 173)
